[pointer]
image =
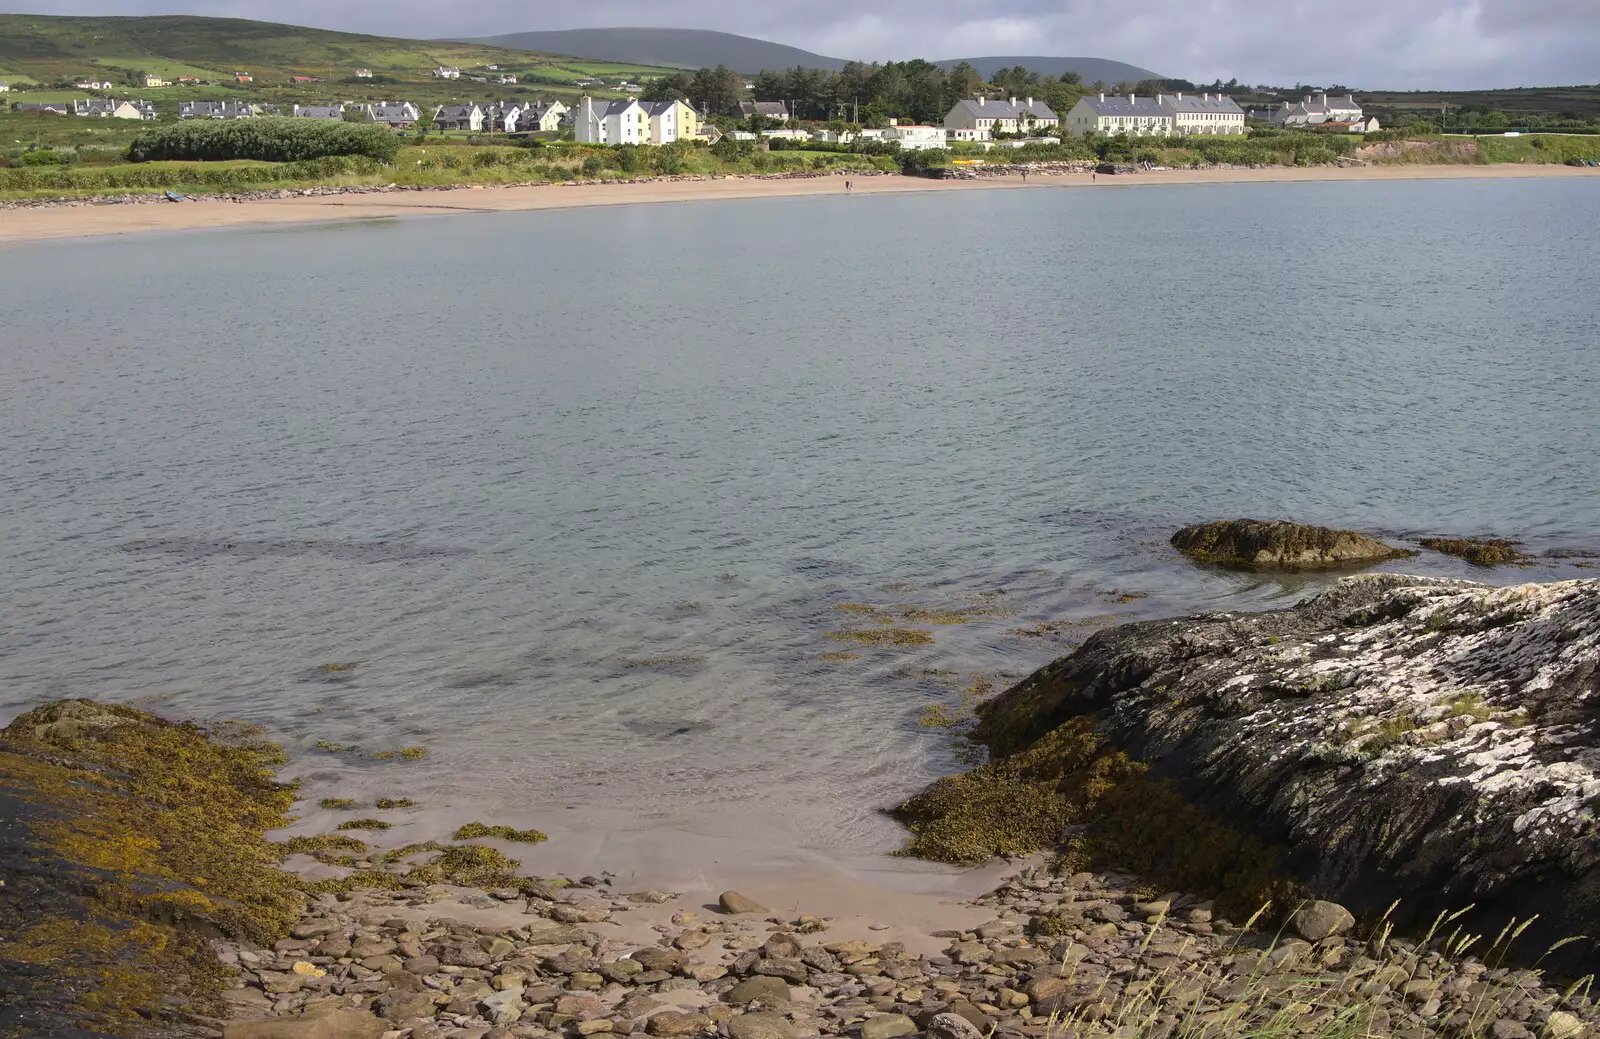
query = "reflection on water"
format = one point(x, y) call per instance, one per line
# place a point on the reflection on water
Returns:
point(619, 513)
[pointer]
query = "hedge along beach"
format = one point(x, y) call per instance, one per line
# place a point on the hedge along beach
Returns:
point(33, 221)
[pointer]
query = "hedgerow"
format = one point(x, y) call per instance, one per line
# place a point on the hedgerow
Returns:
point(268, 140)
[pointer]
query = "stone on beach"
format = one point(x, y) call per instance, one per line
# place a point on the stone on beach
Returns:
point(736, 904)
point(1280, 544)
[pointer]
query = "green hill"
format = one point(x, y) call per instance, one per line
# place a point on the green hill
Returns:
point(50, 48)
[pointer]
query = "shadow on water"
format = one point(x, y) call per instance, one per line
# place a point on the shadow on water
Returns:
point(344, 551)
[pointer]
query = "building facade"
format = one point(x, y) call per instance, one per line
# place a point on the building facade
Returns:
point(610, 122)
point(459, 117)
point(1315, 109)
point(1203, 114)
point(1114, 114)
point(913, 137)
point(672, 121)
point(992, 116)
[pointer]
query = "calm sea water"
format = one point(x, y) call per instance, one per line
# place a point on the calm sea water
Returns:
point(580, 494)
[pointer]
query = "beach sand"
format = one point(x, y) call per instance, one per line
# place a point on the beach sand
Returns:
point(47, 222)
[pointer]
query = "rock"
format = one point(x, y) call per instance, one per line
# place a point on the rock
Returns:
point(736, 904)
point(782, 944)
point(1562, 1025)
point(769, 990)
point(1505, 1028)
point(887, 1026)
point(1279, 545)
point(557, 934)
point(779, 967)
point(424, 964)
point(497, 948)
point(692, 940)
point(1302, 725)
point(409, 1007)
point(503, 1008)
point(1315, 921)
point(339, 1024)
point(659, 959)
point(952, 1026)
point(461, 954)
point(365, 948)
point(653, 898)
point(764, 1026)
point(671, 1024)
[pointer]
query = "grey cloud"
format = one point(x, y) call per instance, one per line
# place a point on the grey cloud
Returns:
point(1365, 43)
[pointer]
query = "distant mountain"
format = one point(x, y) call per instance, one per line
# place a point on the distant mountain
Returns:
point(704, 48)
point(1093, 70)
point(679, 48)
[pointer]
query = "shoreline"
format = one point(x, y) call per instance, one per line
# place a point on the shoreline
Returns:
point(54, 222)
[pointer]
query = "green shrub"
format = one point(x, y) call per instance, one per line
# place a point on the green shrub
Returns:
point(45, 157)
point(269, 140)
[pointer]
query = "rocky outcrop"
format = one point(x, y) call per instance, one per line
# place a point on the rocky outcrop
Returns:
point(1280, 545)
point(1477, 551)
point(1395, 737)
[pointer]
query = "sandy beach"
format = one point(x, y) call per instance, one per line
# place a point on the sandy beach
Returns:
point(48, 222)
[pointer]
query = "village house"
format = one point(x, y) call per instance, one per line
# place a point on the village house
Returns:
point(188, 79)
point(215, 110)
point(318, 112)
point(787, 135)
point(1316, 109)
point(396, 115)
point(537, 117)
point(765, 109)
point(5, 88)
point(614, 122)
point(914, 137)
point(92, 84)
point(1117, 114)
point(363, 73)
point(1368, 124)
point(459, 117)
point(153, 80)
point(671, 121)
point(304, 79)
point(446, 72)
point(506, 79)
point(242, 77)
point(1203, 114)
point(112, 109)
point(992, 116)
point(54, 108)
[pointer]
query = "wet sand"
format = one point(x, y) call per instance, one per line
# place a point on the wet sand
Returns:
point(84, 221)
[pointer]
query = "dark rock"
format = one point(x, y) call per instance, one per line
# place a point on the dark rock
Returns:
point(779, 967)
point(761, 1026)
point(667, 960)
point(1279, 544)
point(769, 990)
point(952, 1026)
point(1317, 920)
point(1420, 739)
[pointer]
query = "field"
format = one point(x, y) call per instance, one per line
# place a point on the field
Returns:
point(41, 49)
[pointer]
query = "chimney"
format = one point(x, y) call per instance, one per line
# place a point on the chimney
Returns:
point(1102, 97)
point(981, 100)
point(1323, 97)
point(1030, 102)
point(1308, 99)
point(1160, 98)
point(1013, 102)
point(1180, 95)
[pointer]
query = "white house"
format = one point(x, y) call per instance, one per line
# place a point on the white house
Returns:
point(446, 72)
point(1117, 114)
point(396, 115)
point(363, 73)
point(1316, 109)
point(538, 117)
point(459, 117)
point(666, 121)
point(113, 109)
point(92, 84)
point(215, 110)
point(613, 122)
point(1205, 114)
point(786, 135)
point(765, 109)
point(913, 137)
point(5, 88)
point(997, 116)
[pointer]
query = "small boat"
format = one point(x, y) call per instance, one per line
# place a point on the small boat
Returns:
point(173, 196)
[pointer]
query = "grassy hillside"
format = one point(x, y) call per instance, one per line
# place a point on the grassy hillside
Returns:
point(683, 48)
point(40, 49)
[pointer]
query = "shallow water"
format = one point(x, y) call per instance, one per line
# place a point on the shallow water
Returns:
point(580, 494)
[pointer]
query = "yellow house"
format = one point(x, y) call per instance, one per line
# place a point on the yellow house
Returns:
point(153, 80)
point(672, 121)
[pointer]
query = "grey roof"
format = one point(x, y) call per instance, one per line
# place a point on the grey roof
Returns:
point(57, 107)
point(770, 109)
point(319, 111)
point(999, 108)
point(1122, 105)
point(456, 111)
point(615, 108)
point(1202, 103)
point(394, 112)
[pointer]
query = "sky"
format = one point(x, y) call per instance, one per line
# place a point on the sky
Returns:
point(1396, 44)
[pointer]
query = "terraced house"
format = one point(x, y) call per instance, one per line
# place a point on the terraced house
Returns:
point(671, 121)
point(111, 109)
point(1114, 114)
point(980, 118)
point(537, 117)
point(459, 117)
point(1205, 114)
point(1316, 109)
point(396, 115)
point(318, 112)
point(611, 122)
point(217, 110)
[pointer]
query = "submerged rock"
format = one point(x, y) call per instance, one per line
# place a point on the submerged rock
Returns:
point(1477, 551)
point(1428, 740)
point(1279, 544)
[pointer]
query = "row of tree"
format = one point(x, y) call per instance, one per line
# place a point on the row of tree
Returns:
point(915, 90)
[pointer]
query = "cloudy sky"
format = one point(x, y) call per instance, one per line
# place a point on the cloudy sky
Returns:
point(1366, 43)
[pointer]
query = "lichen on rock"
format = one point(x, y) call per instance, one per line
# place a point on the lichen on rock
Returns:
point(1280, 545)
point(1430, 740)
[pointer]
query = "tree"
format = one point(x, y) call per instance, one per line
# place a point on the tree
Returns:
point(720, 88)
point(669, 88)
point(962, 82)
